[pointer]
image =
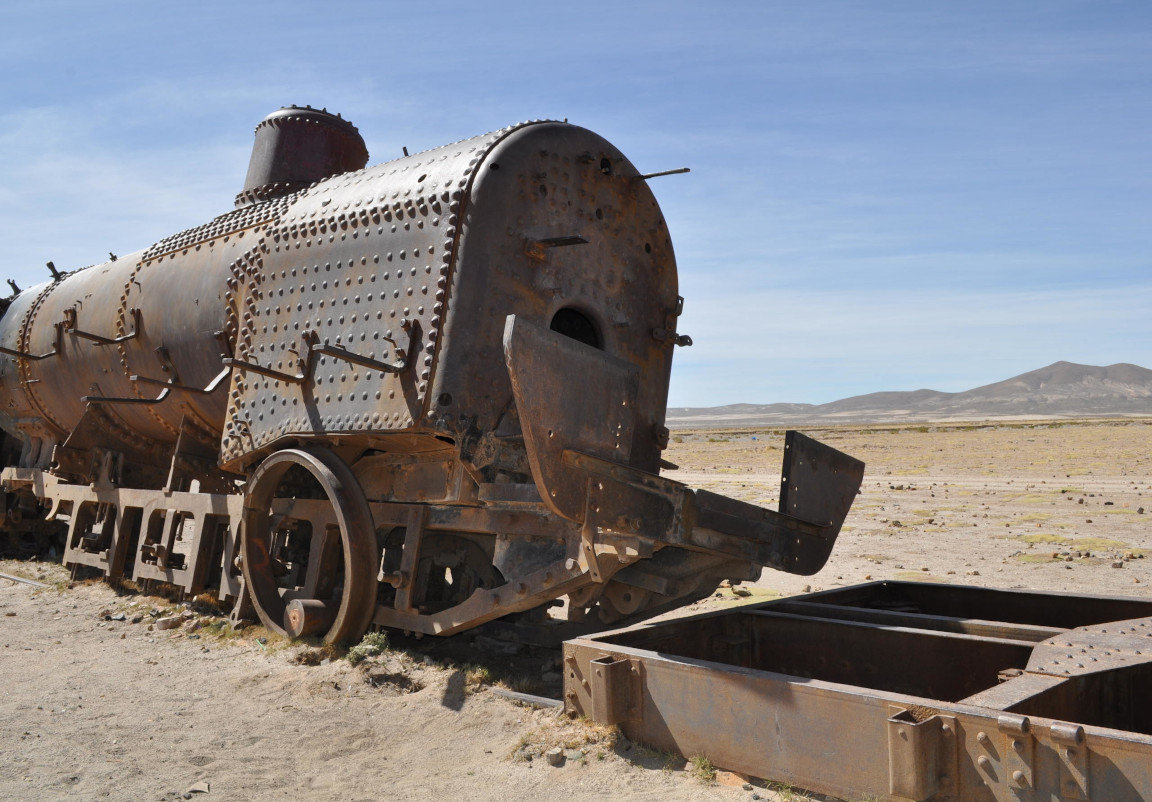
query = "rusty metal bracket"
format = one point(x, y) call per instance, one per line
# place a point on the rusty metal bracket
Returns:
point(913, 750)
point(211, 387)
point(279, 375)
point(410, 556)
point(37, 357)
point(1019, 753)
point(311, 347)
point(588, 531)
point(69, 326)
point(614, 688)
point(1073, 755)
point(168, 386)
point(666, 336)
point(336, 352)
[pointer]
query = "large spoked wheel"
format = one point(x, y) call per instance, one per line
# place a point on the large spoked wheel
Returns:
point(309, 577)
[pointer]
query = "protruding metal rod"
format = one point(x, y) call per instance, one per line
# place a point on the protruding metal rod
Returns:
point(70, 327)
point(560, 242)
point(36, 357)
point(15, 288)
point(677, 171)
point(220, 378)
point(336, 352)
point(105, 399)
point(279, 375)
point(55, 273)
point(32, 582)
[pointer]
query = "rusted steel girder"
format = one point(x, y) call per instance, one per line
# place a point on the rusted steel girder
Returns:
point(893, 691)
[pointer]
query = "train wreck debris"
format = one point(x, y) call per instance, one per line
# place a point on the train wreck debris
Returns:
point(893, 691)
point(421, 395)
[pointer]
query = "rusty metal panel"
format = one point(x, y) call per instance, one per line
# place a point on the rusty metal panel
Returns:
point(557, 222)
point(362, 262)
point(804, 704)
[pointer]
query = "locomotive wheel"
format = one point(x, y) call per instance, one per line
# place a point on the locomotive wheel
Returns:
point(350, 608)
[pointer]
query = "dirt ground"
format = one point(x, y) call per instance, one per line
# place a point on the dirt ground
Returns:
point(98, 708)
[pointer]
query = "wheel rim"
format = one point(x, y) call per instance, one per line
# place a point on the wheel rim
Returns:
point(354, 603)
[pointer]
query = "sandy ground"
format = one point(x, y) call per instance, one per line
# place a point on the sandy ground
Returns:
point(105, 709)
point(1046, 506)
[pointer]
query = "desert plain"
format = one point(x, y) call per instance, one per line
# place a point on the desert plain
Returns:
point(94, 706)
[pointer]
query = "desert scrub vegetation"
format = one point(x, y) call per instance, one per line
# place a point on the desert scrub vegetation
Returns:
point(556, 730)
point(702, 768)
point(372, 644)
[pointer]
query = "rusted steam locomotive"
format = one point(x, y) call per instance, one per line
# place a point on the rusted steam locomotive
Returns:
point(421, 395)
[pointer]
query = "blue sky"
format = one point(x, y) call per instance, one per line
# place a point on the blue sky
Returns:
point(883, 196)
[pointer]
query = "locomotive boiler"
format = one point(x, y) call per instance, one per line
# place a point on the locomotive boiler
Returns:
point(421, 395)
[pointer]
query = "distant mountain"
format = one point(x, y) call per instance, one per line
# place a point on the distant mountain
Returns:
point(1061, 390)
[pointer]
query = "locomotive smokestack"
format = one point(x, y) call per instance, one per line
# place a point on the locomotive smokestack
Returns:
point(295, 147)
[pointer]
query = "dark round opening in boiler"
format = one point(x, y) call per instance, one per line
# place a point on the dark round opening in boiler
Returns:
point(578, 326)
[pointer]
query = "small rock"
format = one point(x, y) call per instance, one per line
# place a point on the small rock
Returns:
point(973, 573)
point(574, 754)
point(201, 787)
point(171, 622)
point(118, 617)
point(555, 756)
point(746, 787)
point(1139, 510)
point(867, 577)
point(1118, 564)
point(136, 619)
point(742, 591)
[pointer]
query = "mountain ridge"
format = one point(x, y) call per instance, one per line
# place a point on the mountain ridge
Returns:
point(1060, 390)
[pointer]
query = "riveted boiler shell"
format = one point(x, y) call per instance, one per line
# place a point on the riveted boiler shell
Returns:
point(448, 240)
point(182, 289)
point(19, 413)
point(352, 257)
